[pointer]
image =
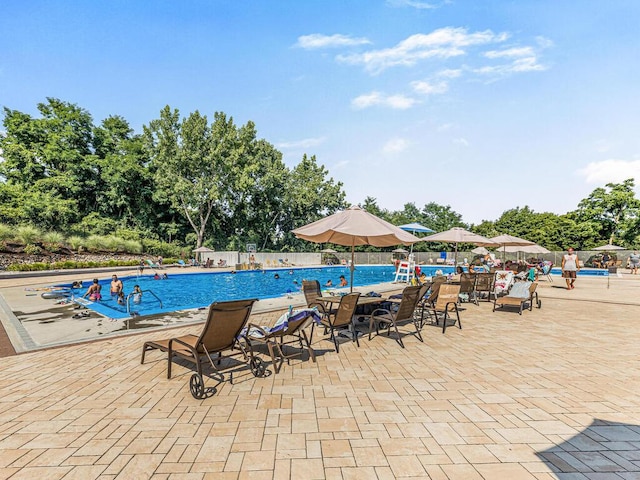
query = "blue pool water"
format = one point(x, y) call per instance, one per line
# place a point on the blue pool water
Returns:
point(185, 291)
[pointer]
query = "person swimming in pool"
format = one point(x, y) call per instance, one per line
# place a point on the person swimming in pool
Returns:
point(329, 283)
point(137, 294)
point(343, 281)
point(276, 276)
point(93, 292)
point(121, 299)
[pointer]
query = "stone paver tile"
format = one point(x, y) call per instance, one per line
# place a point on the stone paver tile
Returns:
point(85, 472)
point(512, 471)
point(52, 457)
point(140, 466)
point(370, 456)
point(462, 471)
point(444, 434)
point(50, 473)
point(307, 468)
point(477, 454)
point(260, 460)
point(406, 466)
point(360, 473)
point(336, 448)
point(214, 448)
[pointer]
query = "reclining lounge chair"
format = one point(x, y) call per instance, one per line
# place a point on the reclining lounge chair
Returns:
point(521, 294)
point(221, 332)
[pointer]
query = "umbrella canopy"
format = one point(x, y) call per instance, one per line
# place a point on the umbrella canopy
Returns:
point(510, 241)
point(354, 226)
point(415, 228)
point(328, 250)
point(458, 235)
point(202, 250)
point(608, 246)
point(400, 250)
point(535, 248)
point(480, 251)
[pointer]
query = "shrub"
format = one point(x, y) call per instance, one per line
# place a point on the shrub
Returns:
point(132, 246)
point(53, 238)
point(75, 242)
point(27, 234)
point(32, 249)
point(6, 232)
point(96, 243)
point(156, 247)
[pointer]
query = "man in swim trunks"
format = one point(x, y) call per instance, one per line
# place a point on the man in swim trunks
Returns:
point(570, 268)
point(116, 285)
point(93, 291)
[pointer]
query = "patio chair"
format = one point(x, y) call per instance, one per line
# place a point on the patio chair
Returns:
point(182, 263)
point(292, 324)
point(484, 285)
point(221, 332)
point(406, 313)
point(546, 271)
point(521, 295)
point(468, 287)
point(446, 302)
point(342, 319)
point(312, 291)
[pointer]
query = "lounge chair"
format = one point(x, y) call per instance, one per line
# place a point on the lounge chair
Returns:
point(406, 313)
point(503, 282)
point(153, 265)
point(291, 324)
point(521, 295)
point(342, 319)
point(221, 332)
point(446, 302)
point(181, 263)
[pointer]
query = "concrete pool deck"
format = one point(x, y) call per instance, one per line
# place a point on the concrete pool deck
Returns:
point(551, 394)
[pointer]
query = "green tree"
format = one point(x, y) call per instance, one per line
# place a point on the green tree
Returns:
point(613, 211)
point(308, 197)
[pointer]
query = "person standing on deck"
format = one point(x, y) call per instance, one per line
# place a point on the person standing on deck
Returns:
point(570, 268)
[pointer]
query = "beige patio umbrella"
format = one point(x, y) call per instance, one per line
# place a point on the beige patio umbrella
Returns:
point(458, 235)
point(510, 241)
point(535, 248)
point(352, 227)
point(609, 246)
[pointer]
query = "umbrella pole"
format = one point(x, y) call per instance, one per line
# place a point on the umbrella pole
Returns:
point(352, 266)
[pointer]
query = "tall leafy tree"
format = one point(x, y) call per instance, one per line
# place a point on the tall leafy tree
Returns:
point(309, 196)
point(614, 211)
point(188, 164)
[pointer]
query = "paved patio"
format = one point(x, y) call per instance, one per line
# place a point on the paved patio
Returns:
point(551, 394)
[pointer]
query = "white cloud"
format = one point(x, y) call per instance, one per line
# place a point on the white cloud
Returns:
point(341, 164)
point(442, 43)
point(611, 170)
point(318, 40)
point(395, 145)
point(427, 88)
point(398, 102)
point(449, 73)
point(301, 144)
point(461, 141)
point(444, 127)
point(414, 3)
point(510, 52)
point(528, 64)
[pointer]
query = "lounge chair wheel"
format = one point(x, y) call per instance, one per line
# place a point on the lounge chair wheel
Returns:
point(539, 303)
point(196, 385)
point(257, 366)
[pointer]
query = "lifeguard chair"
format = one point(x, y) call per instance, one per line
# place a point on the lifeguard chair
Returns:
point(404, 272)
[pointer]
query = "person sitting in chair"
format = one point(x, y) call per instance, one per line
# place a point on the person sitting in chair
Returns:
point(606, 259)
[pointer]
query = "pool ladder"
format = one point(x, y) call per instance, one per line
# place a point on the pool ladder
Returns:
point(142, 291)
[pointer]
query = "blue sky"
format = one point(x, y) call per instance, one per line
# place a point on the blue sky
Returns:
point(480, 105)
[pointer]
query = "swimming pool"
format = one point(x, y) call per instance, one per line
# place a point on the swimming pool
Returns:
point(197, 290)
